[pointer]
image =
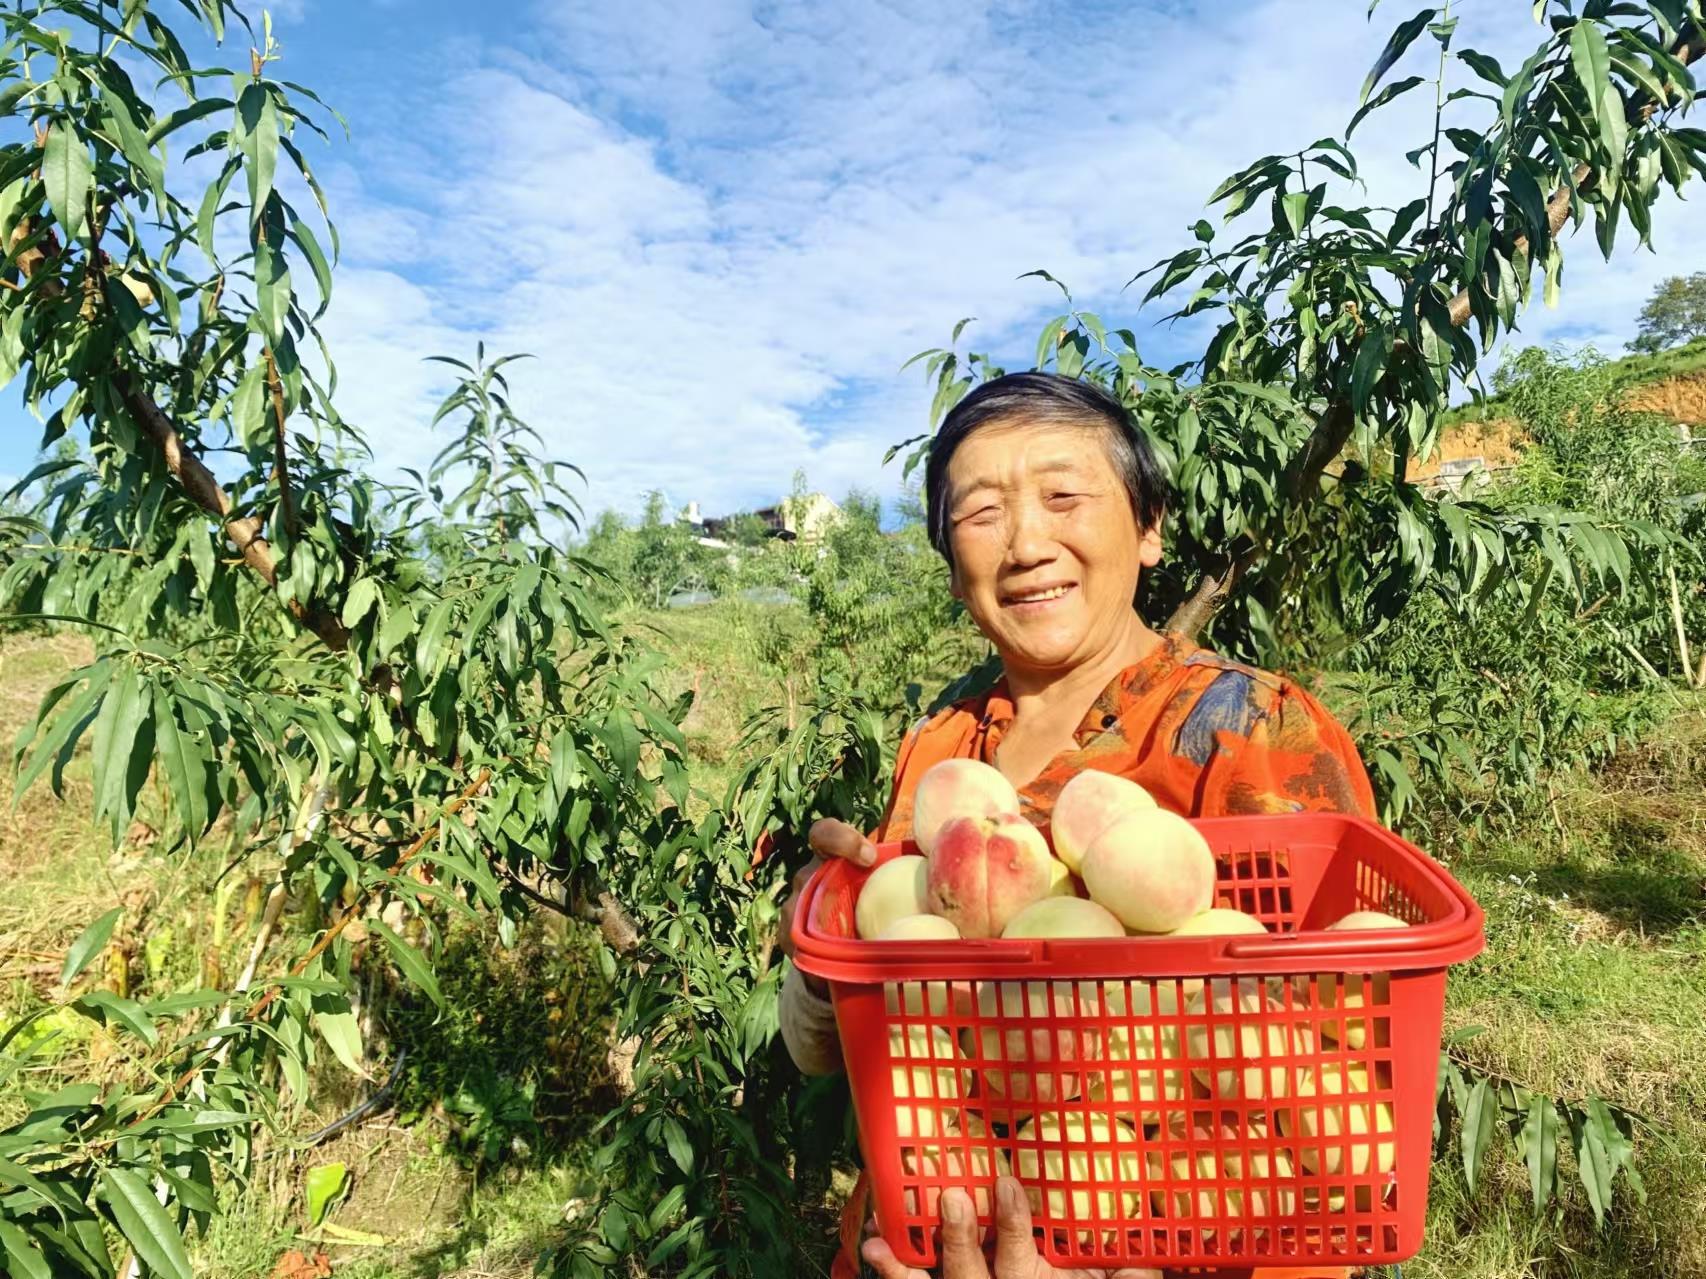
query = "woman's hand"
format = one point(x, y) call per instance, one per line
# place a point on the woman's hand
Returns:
point(1016, 1254)
point(828, 838)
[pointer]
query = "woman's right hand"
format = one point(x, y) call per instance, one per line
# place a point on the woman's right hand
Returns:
point(828, 838)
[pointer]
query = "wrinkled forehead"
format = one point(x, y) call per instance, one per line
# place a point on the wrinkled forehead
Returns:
point(1010, 452)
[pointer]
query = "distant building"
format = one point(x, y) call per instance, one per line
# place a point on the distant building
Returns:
point(807, 518)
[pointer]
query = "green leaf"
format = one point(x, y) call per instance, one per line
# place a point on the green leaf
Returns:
point(1189, 431)
point(411, 961)
point(1592, 62)
point(1296, 206)
point(272, 289)
point(1640, 74)
point(90, 943)
point(363, 594)
point(399, 623)
point(1401, 40)
point(144, 1223)
point(209, 210)
point(338, 1027)
point(167, 125)
point(680, 1149)
point(1593, 1161)
point(104, 1006)
point(257, 137)
point(323, 1185)
point(248, 408)
point(24, 1260)
point(181, 760)
point(1369, 366)
point(56, 744)
point(310, 247)
point(117, 746)
point(1480, 1120)
point(430, 649)
point(134, 146)
point(1394, 90)
point(1404, 219)
point(12, 343)
point(1485, 66)
point(1531, 202)
point(202, 557)
point(67, 173)
point(1540, 1148)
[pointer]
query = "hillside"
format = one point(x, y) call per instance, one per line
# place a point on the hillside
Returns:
point(1671, 383)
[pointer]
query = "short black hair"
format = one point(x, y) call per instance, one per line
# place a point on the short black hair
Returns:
point(1044, 399)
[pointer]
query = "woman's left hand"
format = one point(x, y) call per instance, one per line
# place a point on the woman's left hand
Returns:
point(1016, 1255)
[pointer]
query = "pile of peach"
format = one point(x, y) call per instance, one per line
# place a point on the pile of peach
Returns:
point(1112, 865)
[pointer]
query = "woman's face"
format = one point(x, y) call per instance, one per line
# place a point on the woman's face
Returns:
point(1046, 547)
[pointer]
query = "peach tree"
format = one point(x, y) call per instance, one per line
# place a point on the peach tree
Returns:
point(1337, 332)
point(377, 692)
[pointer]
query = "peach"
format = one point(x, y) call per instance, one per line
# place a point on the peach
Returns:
point(1346, 990)
point(958, 788)
point(1152, 870)
point(1217, 921)
point(950, 1153)
point(1063, 917)
point(1329, 1110)
point(1086, 806)
point(1028, 1060)
point(1061, 882)
point(1211, 1202)
point(1359, 919)
point(920, 928)
point(892, 891)
point(985, 870)
point(914, 998)
point(1143, 1059)
point(1060, 1158)
point(1253, 1047)
point(929, 1065)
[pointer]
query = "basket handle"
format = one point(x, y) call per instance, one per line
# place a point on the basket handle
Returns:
point(1351, 944)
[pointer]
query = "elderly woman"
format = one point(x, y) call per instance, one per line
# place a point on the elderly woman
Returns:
point(1047, 505)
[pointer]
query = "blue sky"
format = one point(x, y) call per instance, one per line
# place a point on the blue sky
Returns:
point(722, 225)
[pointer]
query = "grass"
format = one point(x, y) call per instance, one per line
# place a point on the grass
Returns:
point(1594, 982)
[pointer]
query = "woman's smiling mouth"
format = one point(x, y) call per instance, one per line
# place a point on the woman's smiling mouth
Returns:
point(1038, 597)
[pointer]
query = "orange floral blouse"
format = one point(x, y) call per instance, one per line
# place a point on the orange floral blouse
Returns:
point(1207, 737)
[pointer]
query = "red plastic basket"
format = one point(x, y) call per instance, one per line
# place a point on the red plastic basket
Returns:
point(1180, 1101)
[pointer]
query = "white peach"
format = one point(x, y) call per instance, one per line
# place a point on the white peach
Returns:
point(1079, 1178)
point(1063, 917)
point(892, 891)
point(1334, 1106)
point(1253, 1044)
point(1086, 806)
point(958, 788)
point(1152, 869)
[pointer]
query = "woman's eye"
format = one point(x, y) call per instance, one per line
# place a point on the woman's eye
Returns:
point(1063, 497)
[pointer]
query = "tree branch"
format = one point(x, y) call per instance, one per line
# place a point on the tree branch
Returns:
point(198, 482)
point(281, 463)
point(204, 490)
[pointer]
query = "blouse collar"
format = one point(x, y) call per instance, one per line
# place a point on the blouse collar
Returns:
point(1105, 711)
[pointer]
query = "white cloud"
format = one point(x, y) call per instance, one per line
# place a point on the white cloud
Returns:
point(722, 226)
